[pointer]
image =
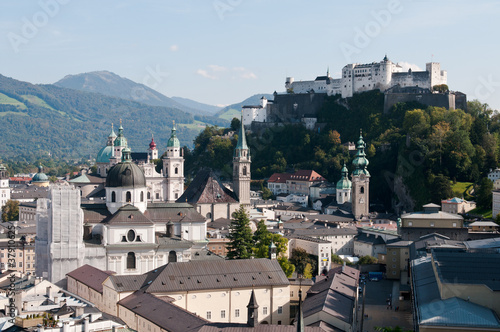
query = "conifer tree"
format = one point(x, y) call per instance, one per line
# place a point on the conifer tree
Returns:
point(240, 236)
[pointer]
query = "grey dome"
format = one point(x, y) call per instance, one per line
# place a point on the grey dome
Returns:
point(125, 174)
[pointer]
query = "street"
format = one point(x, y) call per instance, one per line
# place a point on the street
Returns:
point(376, 312)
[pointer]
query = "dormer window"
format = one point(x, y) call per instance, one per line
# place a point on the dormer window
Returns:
point(131, 235)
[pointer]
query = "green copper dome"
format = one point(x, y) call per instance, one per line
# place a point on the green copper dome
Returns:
point(104, 154)
point(344, 182)
point(40, 176)
point(120, 139)
point(360, 162)
point(173, 141)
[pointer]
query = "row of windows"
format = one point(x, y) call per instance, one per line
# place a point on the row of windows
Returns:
point(128, 196)
point(237, 312)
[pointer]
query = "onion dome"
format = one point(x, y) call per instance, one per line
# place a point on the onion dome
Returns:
point(40, 176)
point(344, 182)
point(152, 145)
point(112, 135)
point(126, 173)
point(173, 141)
point(360, 162)
point(120, 139)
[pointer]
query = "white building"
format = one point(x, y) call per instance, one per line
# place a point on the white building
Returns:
point(4, 186)
point(257, 113)
point(494, 175)
point(365, 77)
point(496, 198)
point(126, 235)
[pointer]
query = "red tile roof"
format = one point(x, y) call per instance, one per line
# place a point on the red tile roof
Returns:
point(279, 177)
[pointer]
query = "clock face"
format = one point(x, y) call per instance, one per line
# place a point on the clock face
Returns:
point(362, 177)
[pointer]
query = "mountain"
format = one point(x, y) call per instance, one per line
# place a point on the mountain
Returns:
point(234, 110)
point(210, 109)
point(41, 119)
point(110, 84)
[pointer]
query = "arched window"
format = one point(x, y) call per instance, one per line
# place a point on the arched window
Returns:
point(149, 195)
point(113, 196)
point(142, 196)
point(176, 170)
point(131, 260)
point(209, 215)
point(244, 170)
point(172, 256)
point(362, 190)
point(128, 197)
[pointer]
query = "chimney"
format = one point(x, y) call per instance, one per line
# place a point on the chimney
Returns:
point(66, 326)
point(79, 311)
point(48, 291)
point(56, 299)
point(170, 229)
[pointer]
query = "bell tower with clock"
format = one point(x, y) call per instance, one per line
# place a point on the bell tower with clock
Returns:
point(173, 169)
point(360, 182)
point(241, 168)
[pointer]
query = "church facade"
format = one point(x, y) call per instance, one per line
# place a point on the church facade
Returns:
point(139, 226)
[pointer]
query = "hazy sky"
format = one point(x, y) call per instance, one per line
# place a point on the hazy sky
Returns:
point(223, 51)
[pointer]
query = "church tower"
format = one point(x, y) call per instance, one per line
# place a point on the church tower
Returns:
point(119, 144)
point(173, 168)
point(344, 187)
point(241, 168)
point(360, 182)
point(152, 151)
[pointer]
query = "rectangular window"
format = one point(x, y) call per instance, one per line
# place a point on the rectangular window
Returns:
point(237, 313)
point(223, 314)
point(20, 264)
point(410, 223)
point(264, 310)
point(291, 294)
point(280, 310)
point(209, 315)
point(432, 224)
point(454, 225)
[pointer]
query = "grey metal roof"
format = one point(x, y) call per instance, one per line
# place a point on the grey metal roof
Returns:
point(457, 312)
point(90, 276)
point(431, 310)
point(369, 238)
point(474, 268)
point(131, 283)
point(162, 313)
point(183, 276)
point(175, 212)
point(484, 243)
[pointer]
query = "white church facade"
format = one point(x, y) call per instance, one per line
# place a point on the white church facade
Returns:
point(131, 231)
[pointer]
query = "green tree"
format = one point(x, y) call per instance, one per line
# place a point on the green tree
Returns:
point(336, 259)
point(262, 239)
point(240, 236)
point(440, 188)
point(266, 192)
point(441, 88)
point(483, 194)
point(10, 211)
point(308, 271)
point(235, 124)
point(390, 329)
point(286, 266)
point(364, 260)
point(300, 258)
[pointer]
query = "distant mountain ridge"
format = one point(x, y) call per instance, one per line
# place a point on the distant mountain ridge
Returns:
point(111, 84)
point(210, 109)
point(67, 123)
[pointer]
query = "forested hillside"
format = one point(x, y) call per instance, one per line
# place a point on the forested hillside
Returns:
point(37, 120)
point(415, 152)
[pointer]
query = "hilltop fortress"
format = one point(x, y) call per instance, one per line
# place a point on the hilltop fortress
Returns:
point(365, 77)
point(303, 99)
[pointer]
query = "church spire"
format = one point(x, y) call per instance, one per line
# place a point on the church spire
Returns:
point(242, 141)
point(252, 311)
point(360, 162)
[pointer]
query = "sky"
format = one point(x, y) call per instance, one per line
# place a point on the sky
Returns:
point(220, 52)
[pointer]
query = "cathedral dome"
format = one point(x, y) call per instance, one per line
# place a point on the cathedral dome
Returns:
point(104, 154)
point(40, 176)
point(126, 174)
